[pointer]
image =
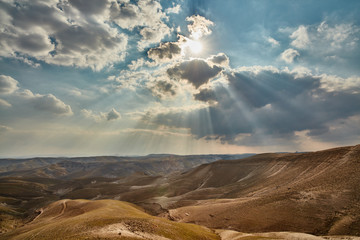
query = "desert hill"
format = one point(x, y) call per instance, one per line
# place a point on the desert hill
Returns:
point(104, 219)
point(105, 166)
point(315, 193)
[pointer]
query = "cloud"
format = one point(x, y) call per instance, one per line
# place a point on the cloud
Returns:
point(206, 95)
point(339, 35)
point(8, 85)
point(301, 38)
point(165, 52)
point(47, 103)
point(289, 55)
point(175, 9)
point(326, 45)
point(42, 102)
point(219, 59)
point(90, 6)
point(196, 71)
point(333, 83)
point(4, 103)
point(265, 106)
point(109, 116)
point(163, 89)
point(73, 33)
point(273, 42)
point(146, 14)
point(113, 115)
point(199, 26)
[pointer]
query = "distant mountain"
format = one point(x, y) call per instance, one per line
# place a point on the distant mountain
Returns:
point(105, 166)
point(316, 192)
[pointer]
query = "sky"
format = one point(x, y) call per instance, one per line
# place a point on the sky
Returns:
point(136, 77)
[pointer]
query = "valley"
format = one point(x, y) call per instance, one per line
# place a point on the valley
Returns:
point(315, 193)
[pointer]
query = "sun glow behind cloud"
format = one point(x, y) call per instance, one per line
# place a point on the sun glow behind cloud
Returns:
point(191, 47)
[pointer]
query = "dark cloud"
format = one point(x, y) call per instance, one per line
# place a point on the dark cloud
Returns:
point(56, 33)
point(113, 115)
point(260, 105)
point(219, 59)
point(196, 71)
point(90, 6)
point(165, 52)
point(163, 88)
point(206, 95)
point(33, 43)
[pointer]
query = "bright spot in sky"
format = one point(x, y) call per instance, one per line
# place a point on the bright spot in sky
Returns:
point(196, 35)
point(195, 46)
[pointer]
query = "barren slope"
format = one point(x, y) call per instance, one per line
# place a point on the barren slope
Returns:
point(315, 193)
point(104, 219)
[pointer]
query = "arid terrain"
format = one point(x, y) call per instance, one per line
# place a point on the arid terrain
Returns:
point(265, 196)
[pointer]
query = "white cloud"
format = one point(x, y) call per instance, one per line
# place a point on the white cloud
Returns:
point(47, 102)
point(327, 43)
point(42, 102)
point(136, 64)
point(199, 26)
point(339, 35)
point(175, 9)
point(99, 117)
point(63, 33)
point(273, 42)
point(147, 15)
point(289, 55)
point(8, 85)
point(333, 83)
point(301, 38)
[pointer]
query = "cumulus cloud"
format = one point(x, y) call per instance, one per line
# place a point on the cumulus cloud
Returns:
point(219, 59)
point(65, 33)
point(147, 14)
point(199, 26)
point(165, 52)
point(301, 38)
point(333, 83)
point(175, 9)
point(8, 85)
point(289, 55)
point(265, 103)
point(325, 43)
point(48, 103)
point(196, 71)
point(99, 117)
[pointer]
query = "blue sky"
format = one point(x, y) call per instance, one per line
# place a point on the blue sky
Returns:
point(81, 78)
